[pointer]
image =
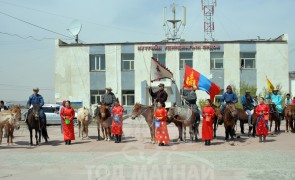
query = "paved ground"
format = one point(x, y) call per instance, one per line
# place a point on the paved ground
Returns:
point(137, 158)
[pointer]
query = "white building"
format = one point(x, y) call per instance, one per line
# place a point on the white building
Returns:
point(83, 71)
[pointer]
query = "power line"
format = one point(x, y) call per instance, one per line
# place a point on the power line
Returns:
point(34, 25)
point(29, 37)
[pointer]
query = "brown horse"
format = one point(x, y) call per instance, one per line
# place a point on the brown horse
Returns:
point(229, 120)
point(148, 113)
point(216, 119)
point(34, 122)
point(104, 119)
point(290, 117)
point(243, 118)
point(274, 116)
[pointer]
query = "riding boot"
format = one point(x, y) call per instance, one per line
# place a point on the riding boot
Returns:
point(116, 138)
point(119, 138)
point(206, 142)
point(66, 142)
point(209, 142)
point(70, 142)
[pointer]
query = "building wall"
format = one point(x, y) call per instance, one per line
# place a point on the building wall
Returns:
point(231, 65)
point(272, 61)
point(72, 80)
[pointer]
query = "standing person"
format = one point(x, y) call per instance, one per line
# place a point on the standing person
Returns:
point(262, 112)
point(191, 99)
point(37, 99)
point(109, 98)
point(207, 128)
point(248, 106)
point(160, 95)
point(2, 106)
point(161, 131)
point(67, 114)
point(288, 101)
point(117, 123)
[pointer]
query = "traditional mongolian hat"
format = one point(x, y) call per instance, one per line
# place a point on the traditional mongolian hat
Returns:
point(36, 89)
point(109, 89)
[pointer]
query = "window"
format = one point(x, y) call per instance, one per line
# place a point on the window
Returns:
point(128, 98)
point(127, 61)
point(248, 61)
point(185, 59)
point(216, 60)
point(161, 58)
point(96, 96)
point(97, 62)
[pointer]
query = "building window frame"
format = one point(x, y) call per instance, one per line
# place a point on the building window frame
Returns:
point(183, 61)
point(245, 60)
point(97, 96)
point(126, 95)
point(156, 55)
point(98, 58)
point(130, 62)
point(213, 63)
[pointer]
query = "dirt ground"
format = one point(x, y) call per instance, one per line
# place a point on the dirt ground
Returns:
point(137, 158)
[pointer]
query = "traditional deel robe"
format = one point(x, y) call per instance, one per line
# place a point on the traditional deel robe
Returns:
point(277, 100)
point(117, 123)
point(207, 128)
point(161, 130)
point(262, 121)
point(68, 129)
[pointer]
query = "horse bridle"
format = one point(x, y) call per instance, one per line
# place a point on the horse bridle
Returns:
point(141, 112)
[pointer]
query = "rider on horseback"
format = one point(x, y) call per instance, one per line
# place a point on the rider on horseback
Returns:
point(277, 100)
point(228, 97)
point(109, 98)
point(36, 99)
point(191, 99)
point(248, 106)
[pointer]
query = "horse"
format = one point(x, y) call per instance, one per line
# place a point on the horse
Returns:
point(274, 116)
point(83, 121)
point(229, 120)
point(217, 117)
point(104, 119)
point(243, 118)
point(9, 127)
point(9, 119)
point(148, 113)
point(187, 118)
point(290, 117)
point(33, 121)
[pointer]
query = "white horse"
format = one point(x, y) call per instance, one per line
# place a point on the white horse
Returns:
point(83, 121)
point(10, 120)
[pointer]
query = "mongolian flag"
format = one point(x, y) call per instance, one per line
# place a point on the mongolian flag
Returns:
point(194, 78)
point(159, 71)
point(270, 87)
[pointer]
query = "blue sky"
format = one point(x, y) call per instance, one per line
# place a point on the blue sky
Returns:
point(27, 63)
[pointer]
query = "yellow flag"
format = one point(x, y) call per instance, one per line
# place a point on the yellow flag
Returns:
point(270, 87)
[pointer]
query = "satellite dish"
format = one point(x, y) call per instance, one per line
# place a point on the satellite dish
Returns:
point(75, 28)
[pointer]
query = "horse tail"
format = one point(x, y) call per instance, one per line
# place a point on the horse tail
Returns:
point(44, 133)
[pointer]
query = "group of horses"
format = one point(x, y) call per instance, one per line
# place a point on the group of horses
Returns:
point(181, 116)
point(184, 117)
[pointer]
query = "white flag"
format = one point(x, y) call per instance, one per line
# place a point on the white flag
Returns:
point(159, 71)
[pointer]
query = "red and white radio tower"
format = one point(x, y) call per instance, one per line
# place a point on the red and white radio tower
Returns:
point(208, 8)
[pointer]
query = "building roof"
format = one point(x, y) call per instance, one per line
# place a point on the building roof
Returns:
point(281, 39)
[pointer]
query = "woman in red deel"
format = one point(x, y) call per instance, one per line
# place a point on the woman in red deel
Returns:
point(207, 128)
point(67, 114)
